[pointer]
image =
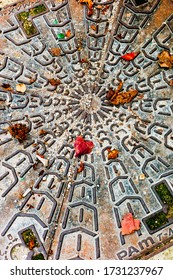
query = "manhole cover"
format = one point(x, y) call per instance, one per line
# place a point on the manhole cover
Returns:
point(69, 69)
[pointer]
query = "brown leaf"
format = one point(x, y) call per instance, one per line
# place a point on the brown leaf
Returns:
point(81, 167)
point(124, 97)
point(129, 224)
point(165, 59)
point(116, 97)
point(171, 83)
point(54, 82)
point(112, 154)
point(7, 87)
point(19, 131)
point(93, 27)
point(111, 92)
point(89, 4)
point(55, 51)
point(42, 132)
point(30, 206)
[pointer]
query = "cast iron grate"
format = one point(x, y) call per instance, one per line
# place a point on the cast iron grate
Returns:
point(68, 59)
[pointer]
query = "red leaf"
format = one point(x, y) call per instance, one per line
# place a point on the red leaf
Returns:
point(129, 224)
point(82, 146)
point(129, 56)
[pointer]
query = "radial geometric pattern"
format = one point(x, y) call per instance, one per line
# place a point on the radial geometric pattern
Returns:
point(69, 58)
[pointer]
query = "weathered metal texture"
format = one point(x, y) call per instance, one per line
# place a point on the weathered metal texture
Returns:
point(78, 215)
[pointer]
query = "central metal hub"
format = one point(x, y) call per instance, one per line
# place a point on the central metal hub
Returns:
point(90, 103)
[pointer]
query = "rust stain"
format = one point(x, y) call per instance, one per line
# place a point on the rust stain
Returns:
point(110, 241)
point(161, 14)
point(87, 250)
point(76, 10)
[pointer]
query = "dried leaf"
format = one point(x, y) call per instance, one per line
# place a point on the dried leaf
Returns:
point(93, 27)
point(112, 154)
point(165, 60)
point(82, 146)
point(42, 132)
point(19, 131)
point(111, 92)
point(171, 83)
point(6, 87)
point(90, 12)
point(104, 9)
point(116, 98)
point(31, 244)
point(55, 51)
point(21, 88)
point(30, 206)
point(129, 224)
point(129, 56)
point(68, 34)
point(89, 4)
point(124, 97)
point(81, 167)
point(54, 82)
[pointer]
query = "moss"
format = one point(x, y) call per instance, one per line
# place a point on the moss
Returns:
point(29, 27)
point(23, 16)
point(38, 257)
point(157, 221)
point(164, 194)
point(37, 10)
point(170, 212)
point(30, 239)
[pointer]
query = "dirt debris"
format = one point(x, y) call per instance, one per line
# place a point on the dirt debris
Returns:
point(19, 131)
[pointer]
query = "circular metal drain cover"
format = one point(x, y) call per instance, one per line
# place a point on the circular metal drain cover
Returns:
point(58, 61)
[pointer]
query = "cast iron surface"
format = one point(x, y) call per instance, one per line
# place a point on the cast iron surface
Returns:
point(78, 215)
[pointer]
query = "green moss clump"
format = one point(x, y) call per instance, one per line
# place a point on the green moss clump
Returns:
point(164, 194)
point(38, 257)
point(29, 27)
point(157, 221)
point(30, 239)
point(37, 10)
point(23, 16)
point(170, 212)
